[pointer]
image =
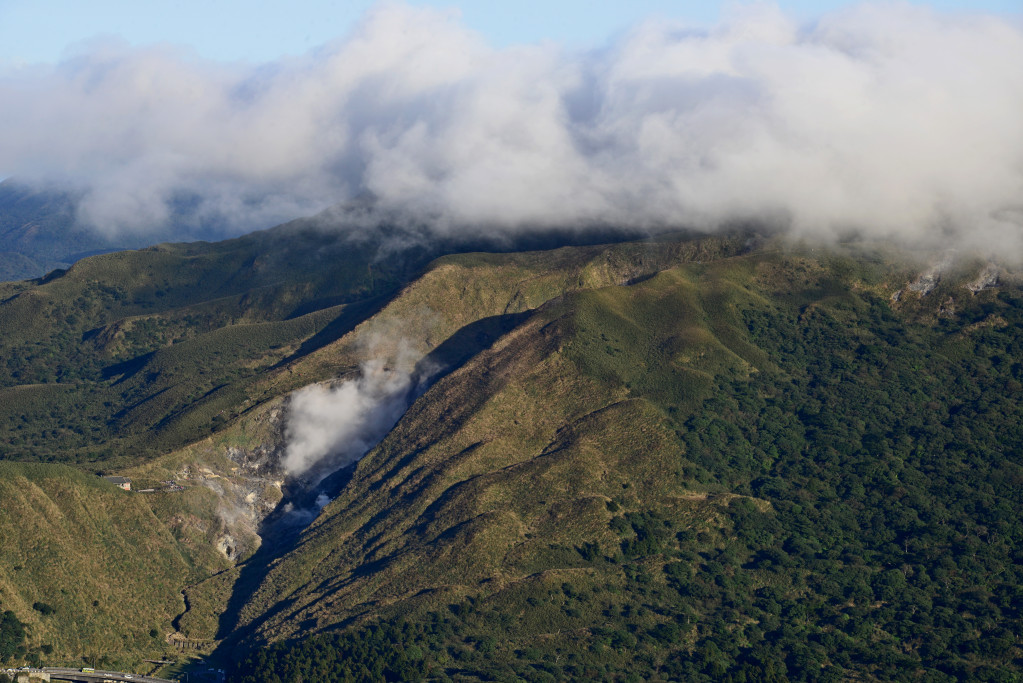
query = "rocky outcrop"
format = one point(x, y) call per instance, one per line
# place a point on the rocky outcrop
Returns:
point(988, 277)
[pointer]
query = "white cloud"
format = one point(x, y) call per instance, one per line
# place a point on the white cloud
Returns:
point(888, 118)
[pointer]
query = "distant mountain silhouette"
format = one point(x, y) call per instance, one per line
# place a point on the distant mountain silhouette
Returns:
point(39, 231)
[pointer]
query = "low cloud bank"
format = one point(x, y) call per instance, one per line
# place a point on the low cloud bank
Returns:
point(889, 119)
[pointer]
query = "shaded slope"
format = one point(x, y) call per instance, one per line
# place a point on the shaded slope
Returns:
point(38, 231)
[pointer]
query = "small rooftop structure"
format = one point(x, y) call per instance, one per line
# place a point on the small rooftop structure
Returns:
point(123, 482)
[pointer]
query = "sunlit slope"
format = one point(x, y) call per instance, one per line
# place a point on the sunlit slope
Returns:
point(644, 477)
point(455, 308)
point(91, 569)
point(506, 466)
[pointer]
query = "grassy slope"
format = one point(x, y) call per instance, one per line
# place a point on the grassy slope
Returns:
point(132, 354)
point(456, 308)
point(121, 358)
point(577, 376)
point(461, 300)
point(101, 557)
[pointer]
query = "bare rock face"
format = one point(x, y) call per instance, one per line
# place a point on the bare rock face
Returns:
point(926, 281)
point(248, 482)
point(987, 278)
point(929, 279)
point(251, 491)
point(243, 503)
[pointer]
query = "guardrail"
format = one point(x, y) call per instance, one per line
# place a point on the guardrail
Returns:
point(59, 673)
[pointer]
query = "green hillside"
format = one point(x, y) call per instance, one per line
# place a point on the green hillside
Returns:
point(93, 572)
point(118, 361)
point(127, 355)
point(678, 458)
point(760, 466)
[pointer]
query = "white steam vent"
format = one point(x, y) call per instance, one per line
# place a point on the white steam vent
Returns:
point(330, 427)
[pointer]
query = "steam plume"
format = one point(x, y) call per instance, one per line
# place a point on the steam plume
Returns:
point(331, 427)
point(889, 119)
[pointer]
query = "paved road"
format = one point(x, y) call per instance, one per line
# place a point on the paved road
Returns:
point(66, 674)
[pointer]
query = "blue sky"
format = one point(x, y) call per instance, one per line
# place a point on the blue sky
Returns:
point(35, 31)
